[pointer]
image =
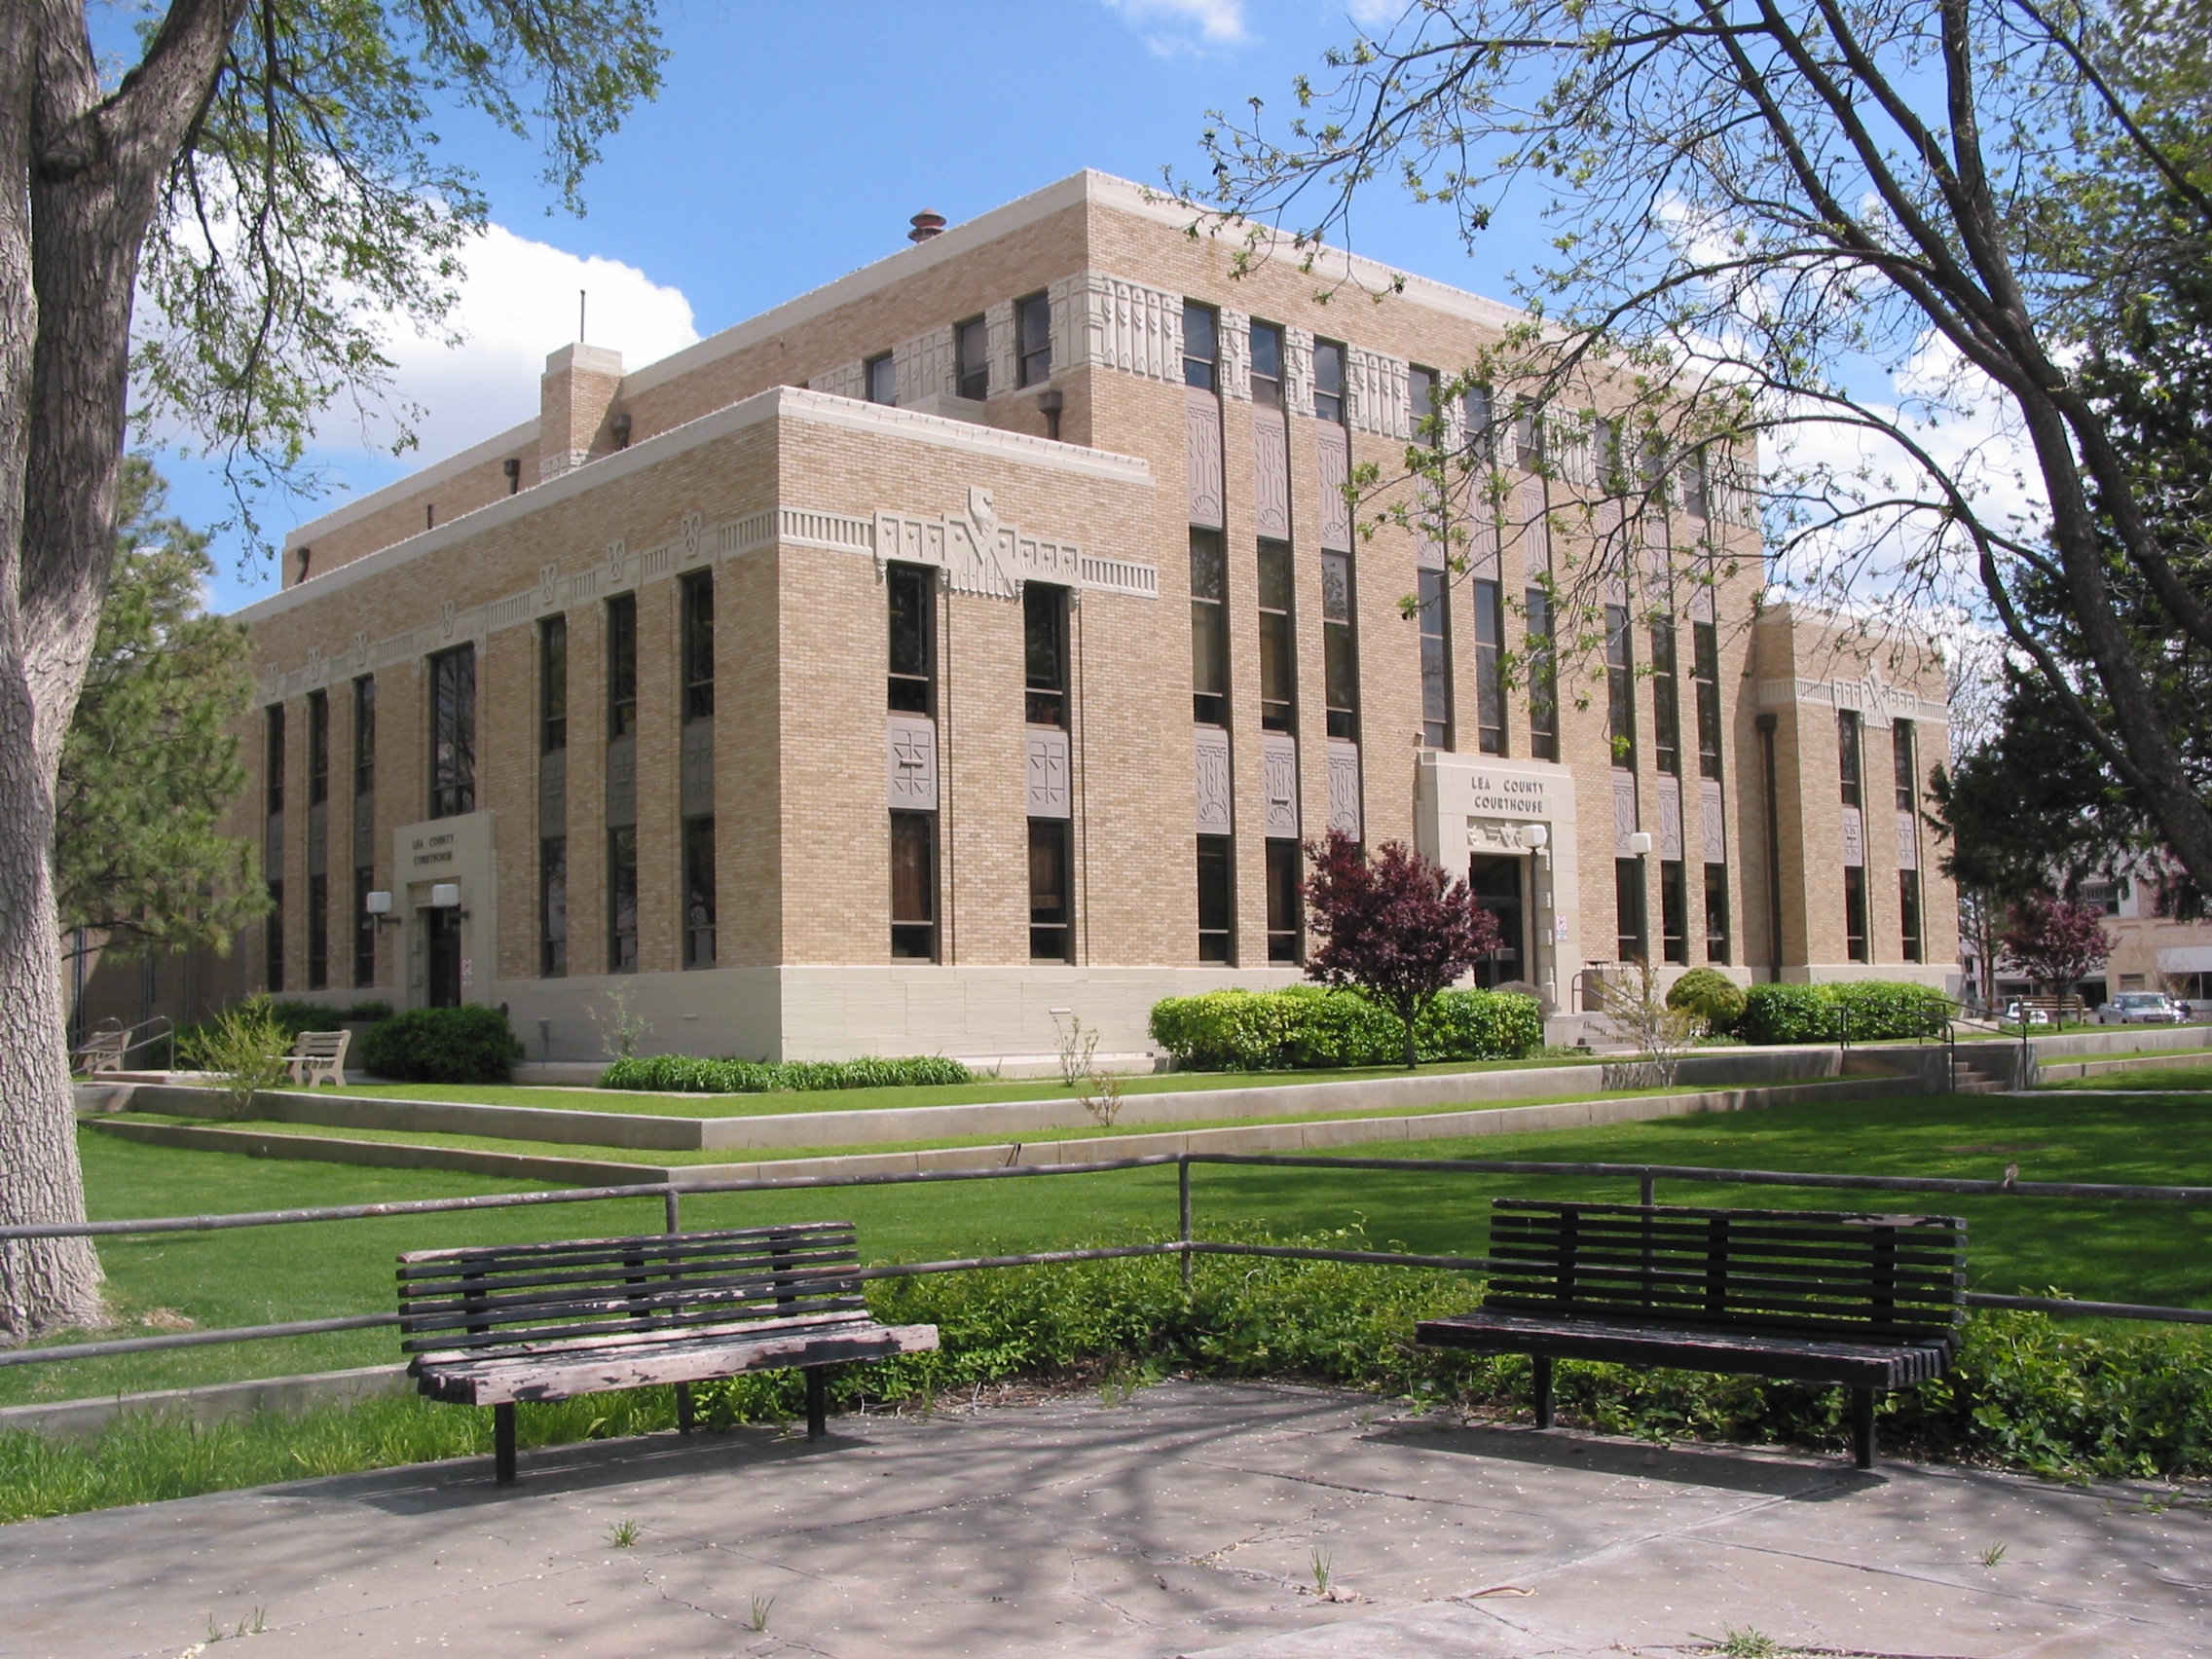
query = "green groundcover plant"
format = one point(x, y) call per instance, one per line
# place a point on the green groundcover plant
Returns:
point(681, 1074)
point(1869, 1011)
point(1303, 1027)
point(471, 1044)
point(2054, 1397)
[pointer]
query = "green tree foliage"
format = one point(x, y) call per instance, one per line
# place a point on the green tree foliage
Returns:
point(151, 760)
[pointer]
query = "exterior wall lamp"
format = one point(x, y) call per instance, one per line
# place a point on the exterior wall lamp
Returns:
point(446, 895)
point(379, 908)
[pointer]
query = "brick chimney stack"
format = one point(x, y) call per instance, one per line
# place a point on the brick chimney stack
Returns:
point(575, 401)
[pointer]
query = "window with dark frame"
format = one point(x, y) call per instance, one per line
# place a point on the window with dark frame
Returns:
point(1329, 382)
point(1202, 346)
point(882, 378)
point(1045, 654)
point(272, 939)
point(1543, 675)
point(1528, 436)
point(1902, 771)
point(1340, 648)
point(319, 933)
point(1620, 686)
point(1286, 924)
point(552, 685)
point(1693, 473)
point(553, 907)
point(698, 596)
point(453, 732)
point(1855, 913)
point(1666, 701)
point(1849, 770)
point(1434, 617)
point(1704, 659)
point(319, 747)
point(1716, 946)
point(699, 892)
point(1482, 434)
point(1266, 366)
point(913, 887)
point(273, 759)
point(622, 665)
point(1278, 645)
point(623, 899)
point(971, 359)
point(1490, 667)
point(911, 592)
point(1421, 397)
point(364, 928)
point(1674, 913)
point(1209, 629)
point(1052, 901)
point(1908, 912)
point(1217, 908)
point(364, 735)
point(1631, 941)
point(1033, 339)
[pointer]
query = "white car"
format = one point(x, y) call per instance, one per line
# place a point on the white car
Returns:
point(2140, 1007)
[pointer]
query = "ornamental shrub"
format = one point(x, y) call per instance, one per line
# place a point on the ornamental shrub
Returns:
point(1710, 995)
point(1869, 1011)
point(1304, 1027)
point(685, 1073)
point(1786, 1013)
point(471, 1043)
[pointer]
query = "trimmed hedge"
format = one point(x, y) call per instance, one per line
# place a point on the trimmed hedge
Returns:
point(1710, 995)
point(471, 1043)
point(681, 1074)
point(1304, 1027)
point(1869, 1011)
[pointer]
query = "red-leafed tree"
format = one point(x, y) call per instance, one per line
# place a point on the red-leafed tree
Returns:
point(2054, 942)
point(1396, 928)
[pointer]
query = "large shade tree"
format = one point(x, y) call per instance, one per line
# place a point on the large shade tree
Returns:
point(1879, 241)
point(250, 198)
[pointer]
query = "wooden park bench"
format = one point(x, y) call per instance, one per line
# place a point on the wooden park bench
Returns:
point(507, 1323)
point(320, 1056)
point(1869, 1302)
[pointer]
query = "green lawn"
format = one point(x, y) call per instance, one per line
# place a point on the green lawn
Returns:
point(2147, 1252)
point(2151, 1079)
point(982, 1093)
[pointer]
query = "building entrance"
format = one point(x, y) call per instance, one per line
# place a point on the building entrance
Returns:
point(444, 956)
point(1497, 888)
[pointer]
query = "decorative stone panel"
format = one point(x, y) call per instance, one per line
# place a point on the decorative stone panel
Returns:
point(1376, 397)
point(1334, 452)
point(1671, 819)
point(847, 380)
point(1235, 367)
point(621, 781)
point(1046, 773)
point(1535, 529)
point(1114, 324)
point(1279, 779)
point(910, 742)
point(1854, 838)
point(1202, 427)
point(1343, 787)
point(1716, 825)
point(1624, 812)
point(696, 763)
point(1270, 474)
point(1215, 814)
point(1297, 371)
point(923, 367)
point(1908, 841)
point(999, 344)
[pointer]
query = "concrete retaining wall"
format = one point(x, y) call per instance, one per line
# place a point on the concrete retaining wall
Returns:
point(212, 1403)
point(2068, 1071)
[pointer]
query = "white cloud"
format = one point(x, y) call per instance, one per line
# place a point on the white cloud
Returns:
point(1171, 27)
point(518, 303)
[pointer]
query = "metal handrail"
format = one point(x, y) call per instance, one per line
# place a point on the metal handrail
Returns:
point(110, 1026)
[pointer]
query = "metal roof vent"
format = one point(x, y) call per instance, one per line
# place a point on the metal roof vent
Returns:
point(927, 223)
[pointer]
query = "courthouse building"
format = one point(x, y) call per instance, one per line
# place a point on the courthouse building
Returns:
point(979, 637)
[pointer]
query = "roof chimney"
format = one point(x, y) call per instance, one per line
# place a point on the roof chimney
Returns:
point(927, 223)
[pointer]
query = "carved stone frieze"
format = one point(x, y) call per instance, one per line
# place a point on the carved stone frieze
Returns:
point(1377, 396)
point(1235, 363)
point(1344, 788)
point(910, 762)
point(1624, 812)
point(1714, 825)
point(1908, 841)
point(1279, 780)
point(923, 367)
point(1335, 457)
point(1215, 815)
point(846, 380)
point(1203, 444)
point(1297, 371)
point(1854, 838)
point(1046, 773)
point(1270, 474)
point(1671, 819)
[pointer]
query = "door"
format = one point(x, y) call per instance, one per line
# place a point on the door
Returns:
point(444, 957)
point(1497, 884)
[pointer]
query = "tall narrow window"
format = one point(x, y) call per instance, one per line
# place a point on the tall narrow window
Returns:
point(1693, 477)
point(318, 931)
point(1052, 906)
point(1045, 654)
point(623, 899)
point(622, 665)
point(553, 907)
point(553, 684)
point(1908, 912)
point(699, 646)
point(1286, 880)
point(1902, 736)
point(1543, 676)
point(1266, 366)
point(1435, 662)
point(1489, 671)
point(364, 735)
point(1631, 942)
point(1528, 436)
point(1674, 913)
point(364, 928)
point(971, 353)
point(1620, 685)
point(1716, 913)
point(698, 893)
point(319, 747)
point(1329, 382)
point(1340, 648)
point(1848, 770)
point(1279, 649)
point(1202, 346)
point(1481, 430)
point(1855, 913)
point(1420, 396)
point(1666, 701)
point(1033, 339)
point(912, 590)
point(453, 732)
point(272, 762)
point(1217, 909)
point(1209, 629)
point(1705, 648)
point(272, 938)
point(913, 886)
point(882, 378)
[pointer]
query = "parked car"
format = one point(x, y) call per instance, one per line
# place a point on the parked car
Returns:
point(2140, 1007)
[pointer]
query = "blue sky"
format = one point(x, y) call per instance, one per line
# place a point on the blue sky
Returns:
point(791, 144)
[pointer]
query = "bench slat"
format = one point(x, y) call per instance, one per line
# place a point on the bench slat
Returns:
point(696, 1269)
point(446, 1333)
point(1865, 1365)
point(807, 1233)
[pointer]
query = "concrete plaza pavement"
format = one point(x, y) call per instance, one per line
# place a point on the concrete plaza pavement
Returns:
point(1186, 1520)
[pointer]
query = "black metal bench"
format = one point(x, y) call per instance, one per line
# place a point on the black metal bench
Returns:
point(507, 1323)
point(1869, 1302)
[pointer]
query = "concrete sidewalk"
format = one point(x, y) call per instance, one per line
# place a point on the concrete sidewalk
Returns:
point(1187, 1521)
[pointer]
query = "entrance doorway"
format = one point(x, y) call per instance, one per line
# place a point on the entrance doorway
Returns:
point(1497, 882)
point(444, 957)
